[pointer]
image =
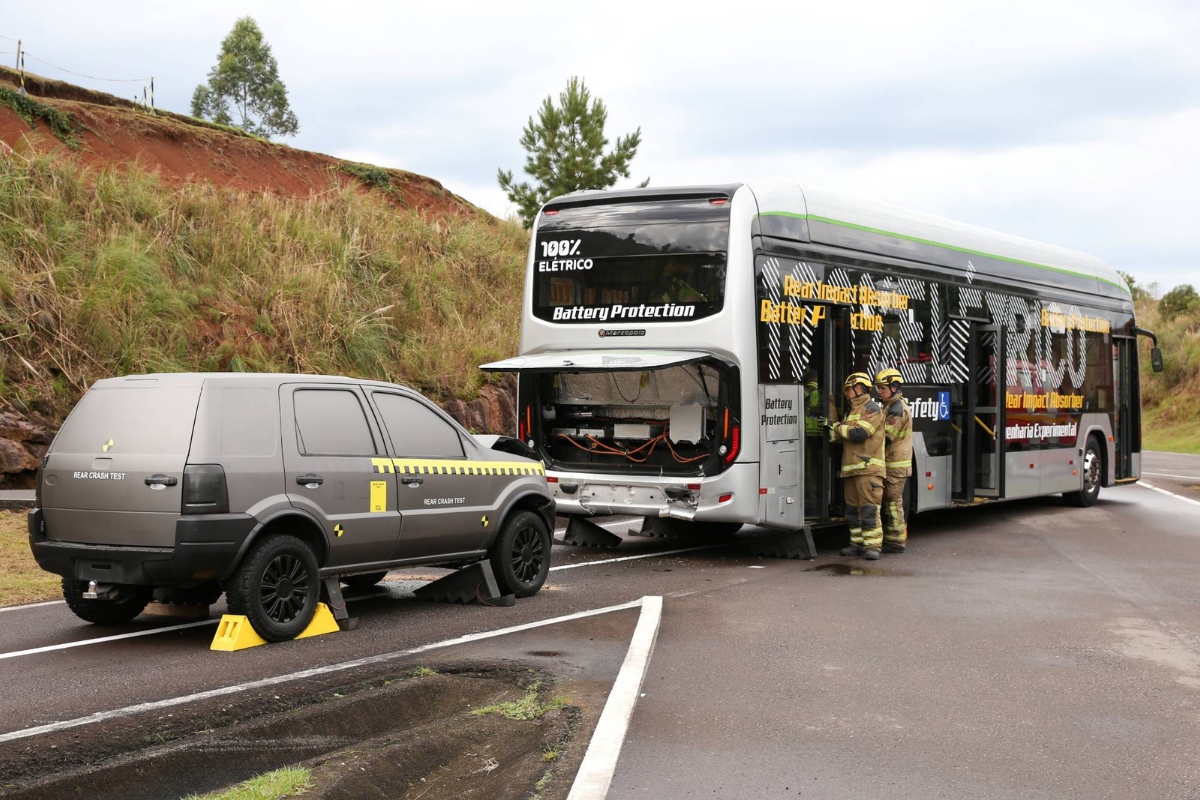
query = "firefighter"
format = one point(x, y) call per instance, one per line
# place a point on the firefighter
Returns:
point(863, 471)
point(898, 433)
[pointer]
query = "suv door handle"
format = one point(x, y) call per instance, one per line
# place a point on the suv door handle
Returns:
point(309, 481)
point(160, 481)
point(412, 481)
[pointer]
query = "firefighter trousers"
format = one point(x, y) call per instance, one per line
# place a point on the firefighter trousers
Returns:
point(895, 528)
point(864, 495)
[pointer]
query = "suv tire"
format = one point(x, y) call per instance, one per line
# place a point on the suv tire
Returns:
point(130, 602)
point(276, 587)
point(363, 581)
point(520, 555)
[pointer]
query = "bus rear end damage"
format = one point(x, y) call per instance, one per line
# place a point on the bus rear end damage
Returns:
point(653, 434)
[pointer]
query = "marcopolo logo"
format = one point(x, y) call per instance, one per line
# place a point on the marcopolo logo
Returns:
point(622, 332)
point(929, 408)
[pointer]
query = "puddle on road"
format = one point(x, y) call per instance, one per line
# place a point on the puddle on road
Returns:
point(859, 571)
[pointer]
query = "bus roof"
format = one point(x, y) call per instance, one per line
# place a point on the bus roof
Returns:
point(835, 218)
point(828, 217)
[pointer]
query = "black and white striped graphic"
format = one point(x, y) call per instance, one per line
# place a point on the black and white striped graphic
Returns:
point(959, 331)
point(801, 355)
point(774, 291)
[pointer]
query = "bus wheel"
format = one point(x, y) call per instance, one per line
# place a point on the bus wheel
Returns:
point(1092, 462)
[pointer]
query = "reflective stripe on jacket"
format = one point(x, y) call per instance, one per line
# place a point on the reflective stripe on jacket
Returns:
point(898, 429)
point(866, 423)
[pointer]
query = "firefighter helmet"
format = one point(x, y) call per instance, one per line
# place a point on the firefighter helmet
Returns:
point(889, 377)
point(857, 379)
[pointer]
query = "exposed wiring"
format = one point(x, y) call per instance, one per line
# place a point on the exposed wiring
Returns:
point(617, 386)
point(632, 455)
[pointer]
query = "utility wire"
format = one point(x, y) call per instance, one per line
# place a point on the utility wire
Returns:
point(81, 75)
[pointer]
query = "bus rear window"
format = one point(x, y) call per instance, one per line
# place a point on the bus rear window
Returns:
point(631, 263)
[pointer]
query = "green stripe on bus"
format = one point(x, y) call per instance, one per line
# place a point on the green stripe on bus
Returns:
point(918, 240)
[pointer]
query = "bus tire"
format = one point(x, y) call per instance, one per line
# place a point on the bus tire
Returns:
point(365, 581)
point(1091, 467)
point(715, 530)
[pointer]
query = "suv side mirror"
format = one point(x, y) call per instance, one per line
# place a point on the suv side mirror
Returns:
point(1156, 362)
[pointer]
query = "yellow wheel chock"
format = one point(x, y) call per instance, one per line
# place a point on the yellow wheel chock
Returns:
point(236, 633)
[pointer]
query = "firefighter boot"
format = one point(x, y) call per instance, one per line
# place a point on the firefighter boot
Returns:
point(893, 547)
point(871, 554)
point(851, 551)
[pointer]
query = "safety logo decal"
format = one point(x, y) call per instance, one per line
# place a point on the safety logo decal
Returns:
point(108, 446)
point(338, 530)
point(484, 520)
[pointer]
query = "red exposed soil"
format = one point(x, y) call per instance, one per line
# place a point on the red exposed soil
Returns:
point(183, 150)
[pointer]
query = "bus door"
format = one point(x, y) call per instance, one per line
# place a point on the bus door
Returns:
point(833, 347)
point(1124, 418)
point(977, 415)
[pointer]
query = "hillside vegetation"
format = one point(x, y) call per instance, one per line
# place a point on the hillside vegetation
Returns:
point(109, 270)
point(1171, 399)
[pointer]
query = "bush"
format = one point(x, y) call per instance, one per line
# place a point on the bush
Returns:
point(1179, 301)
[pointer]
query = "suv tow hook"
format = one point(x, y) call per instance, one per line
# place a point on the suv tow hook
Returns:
point(97, 591)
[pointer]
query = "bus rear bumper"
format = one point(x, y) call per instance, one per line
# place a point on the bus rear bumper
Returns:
point(731, 496)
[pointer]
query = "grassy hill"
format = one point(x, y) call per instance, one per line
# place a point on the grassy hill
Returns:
point(1171, 399)
point(132, 242)
point(107, 271)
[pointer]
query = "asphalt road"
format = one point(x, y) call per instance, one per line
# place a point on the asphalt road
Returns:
point(1024, 649)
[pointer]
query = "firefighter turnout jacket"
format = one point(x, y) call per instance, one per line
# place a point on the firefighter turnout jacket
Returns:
point(898, 430)
point(862, 437)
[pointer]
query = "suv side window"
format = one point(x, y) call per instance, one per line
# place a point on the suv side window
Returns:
point(415, 429)
point(331, 422)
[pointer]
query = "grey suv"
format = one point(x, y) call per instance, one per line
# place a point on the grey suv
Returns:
point(262, 486)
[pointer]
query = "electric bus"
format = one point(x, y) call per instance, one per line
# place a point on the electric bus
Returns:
point(675, 342)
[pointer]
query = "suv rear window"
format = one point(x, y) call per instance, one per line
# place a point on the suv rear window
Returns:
point(150, 420)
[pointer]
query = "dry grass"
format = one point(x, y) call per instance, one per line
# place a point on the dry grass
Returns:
point(113, 272)
point(1170, 399)
point(21, 579)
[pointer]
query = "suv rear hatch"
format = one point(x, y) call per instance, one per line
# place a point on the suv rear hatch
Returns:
point(114, 474)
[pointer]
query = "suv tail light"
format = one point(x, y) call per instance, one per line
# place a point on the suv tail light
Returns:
point(37, 493)
point(204, 489)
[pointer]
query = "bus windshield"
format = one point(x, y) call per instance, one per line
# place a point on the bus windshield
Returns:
point(633, 263)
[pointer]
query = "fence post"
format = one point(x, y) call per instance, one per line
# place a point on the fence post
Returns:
point(151, 94)
point(22, 89)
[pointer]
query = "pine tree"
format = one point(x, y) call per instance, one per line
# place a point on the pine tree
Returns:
point(565, 147)
point(246, 76)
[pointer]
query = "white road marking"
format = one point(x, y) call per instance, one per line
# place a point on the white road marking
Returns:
point(600, 761)
point(24, 606)
point(223, 691)
point(1169, 494)
point(103, 639)
point(149, 631)
point(1169, 475)
point(599, 562)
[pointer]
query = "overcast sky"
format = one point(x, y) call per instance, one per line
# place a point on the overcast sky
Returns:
point(1076, 124)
